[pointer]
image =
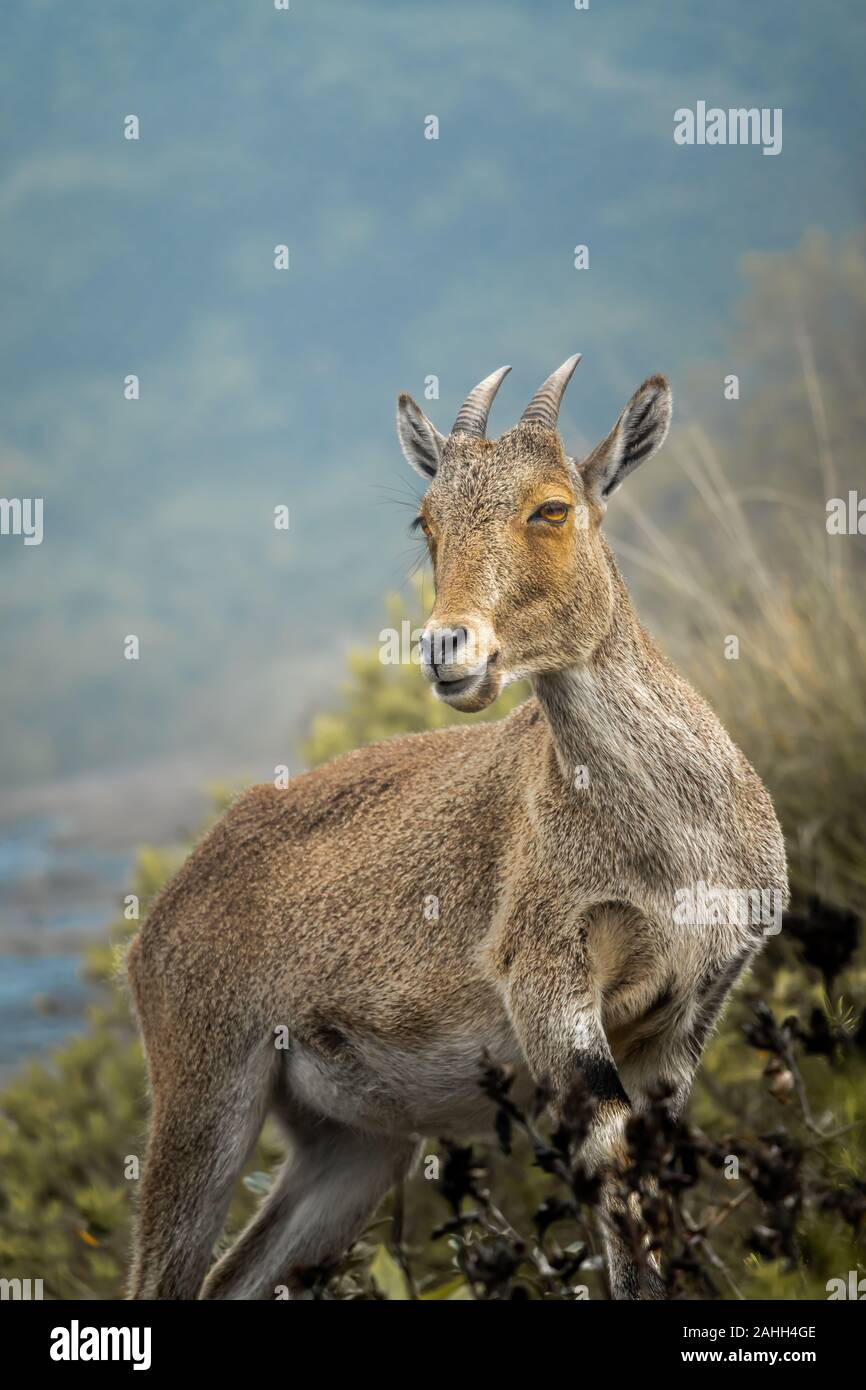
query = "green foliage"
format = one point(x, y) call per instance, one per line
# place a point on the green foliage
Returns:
point(67, 1130)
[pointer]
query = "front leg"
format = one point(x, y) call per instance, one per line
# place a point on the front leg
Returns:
point(555, 1007)
point(663, 1052)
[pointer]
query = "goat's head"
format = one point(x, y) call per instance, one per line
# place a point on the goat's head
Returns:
point(523, 585)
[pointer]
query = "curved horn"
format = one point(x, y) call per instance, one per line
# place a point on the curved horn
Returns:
point(473, 413)
point(543, 409)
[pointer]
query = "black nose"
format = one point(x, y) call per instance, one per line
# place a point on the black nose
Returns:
point(446, 647)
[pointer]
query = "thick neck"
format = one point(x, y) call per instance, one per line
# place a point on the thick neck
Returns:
point(598, 709)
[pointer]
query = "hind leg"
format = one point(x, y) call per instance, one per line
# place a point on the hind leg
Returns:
point(205, 1122)
point(321, 1200)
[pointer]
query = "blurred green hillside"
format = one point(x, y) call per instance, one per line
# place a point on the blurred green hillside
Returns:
point(743, 553)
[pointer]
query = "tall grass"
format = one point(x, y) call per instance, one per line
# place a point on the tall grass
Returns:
point(790, 689)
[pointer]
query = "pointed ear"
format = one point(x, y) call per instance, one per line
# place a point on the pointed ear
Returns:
point(420, 441)
point(640, 430)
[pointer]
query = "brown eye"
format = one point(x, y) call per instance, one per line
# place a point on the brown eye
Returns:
point(419, 524)
point(553, 512)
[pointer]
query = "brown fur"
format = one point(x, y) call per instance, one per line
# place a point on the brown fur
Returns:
point(554, 946)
